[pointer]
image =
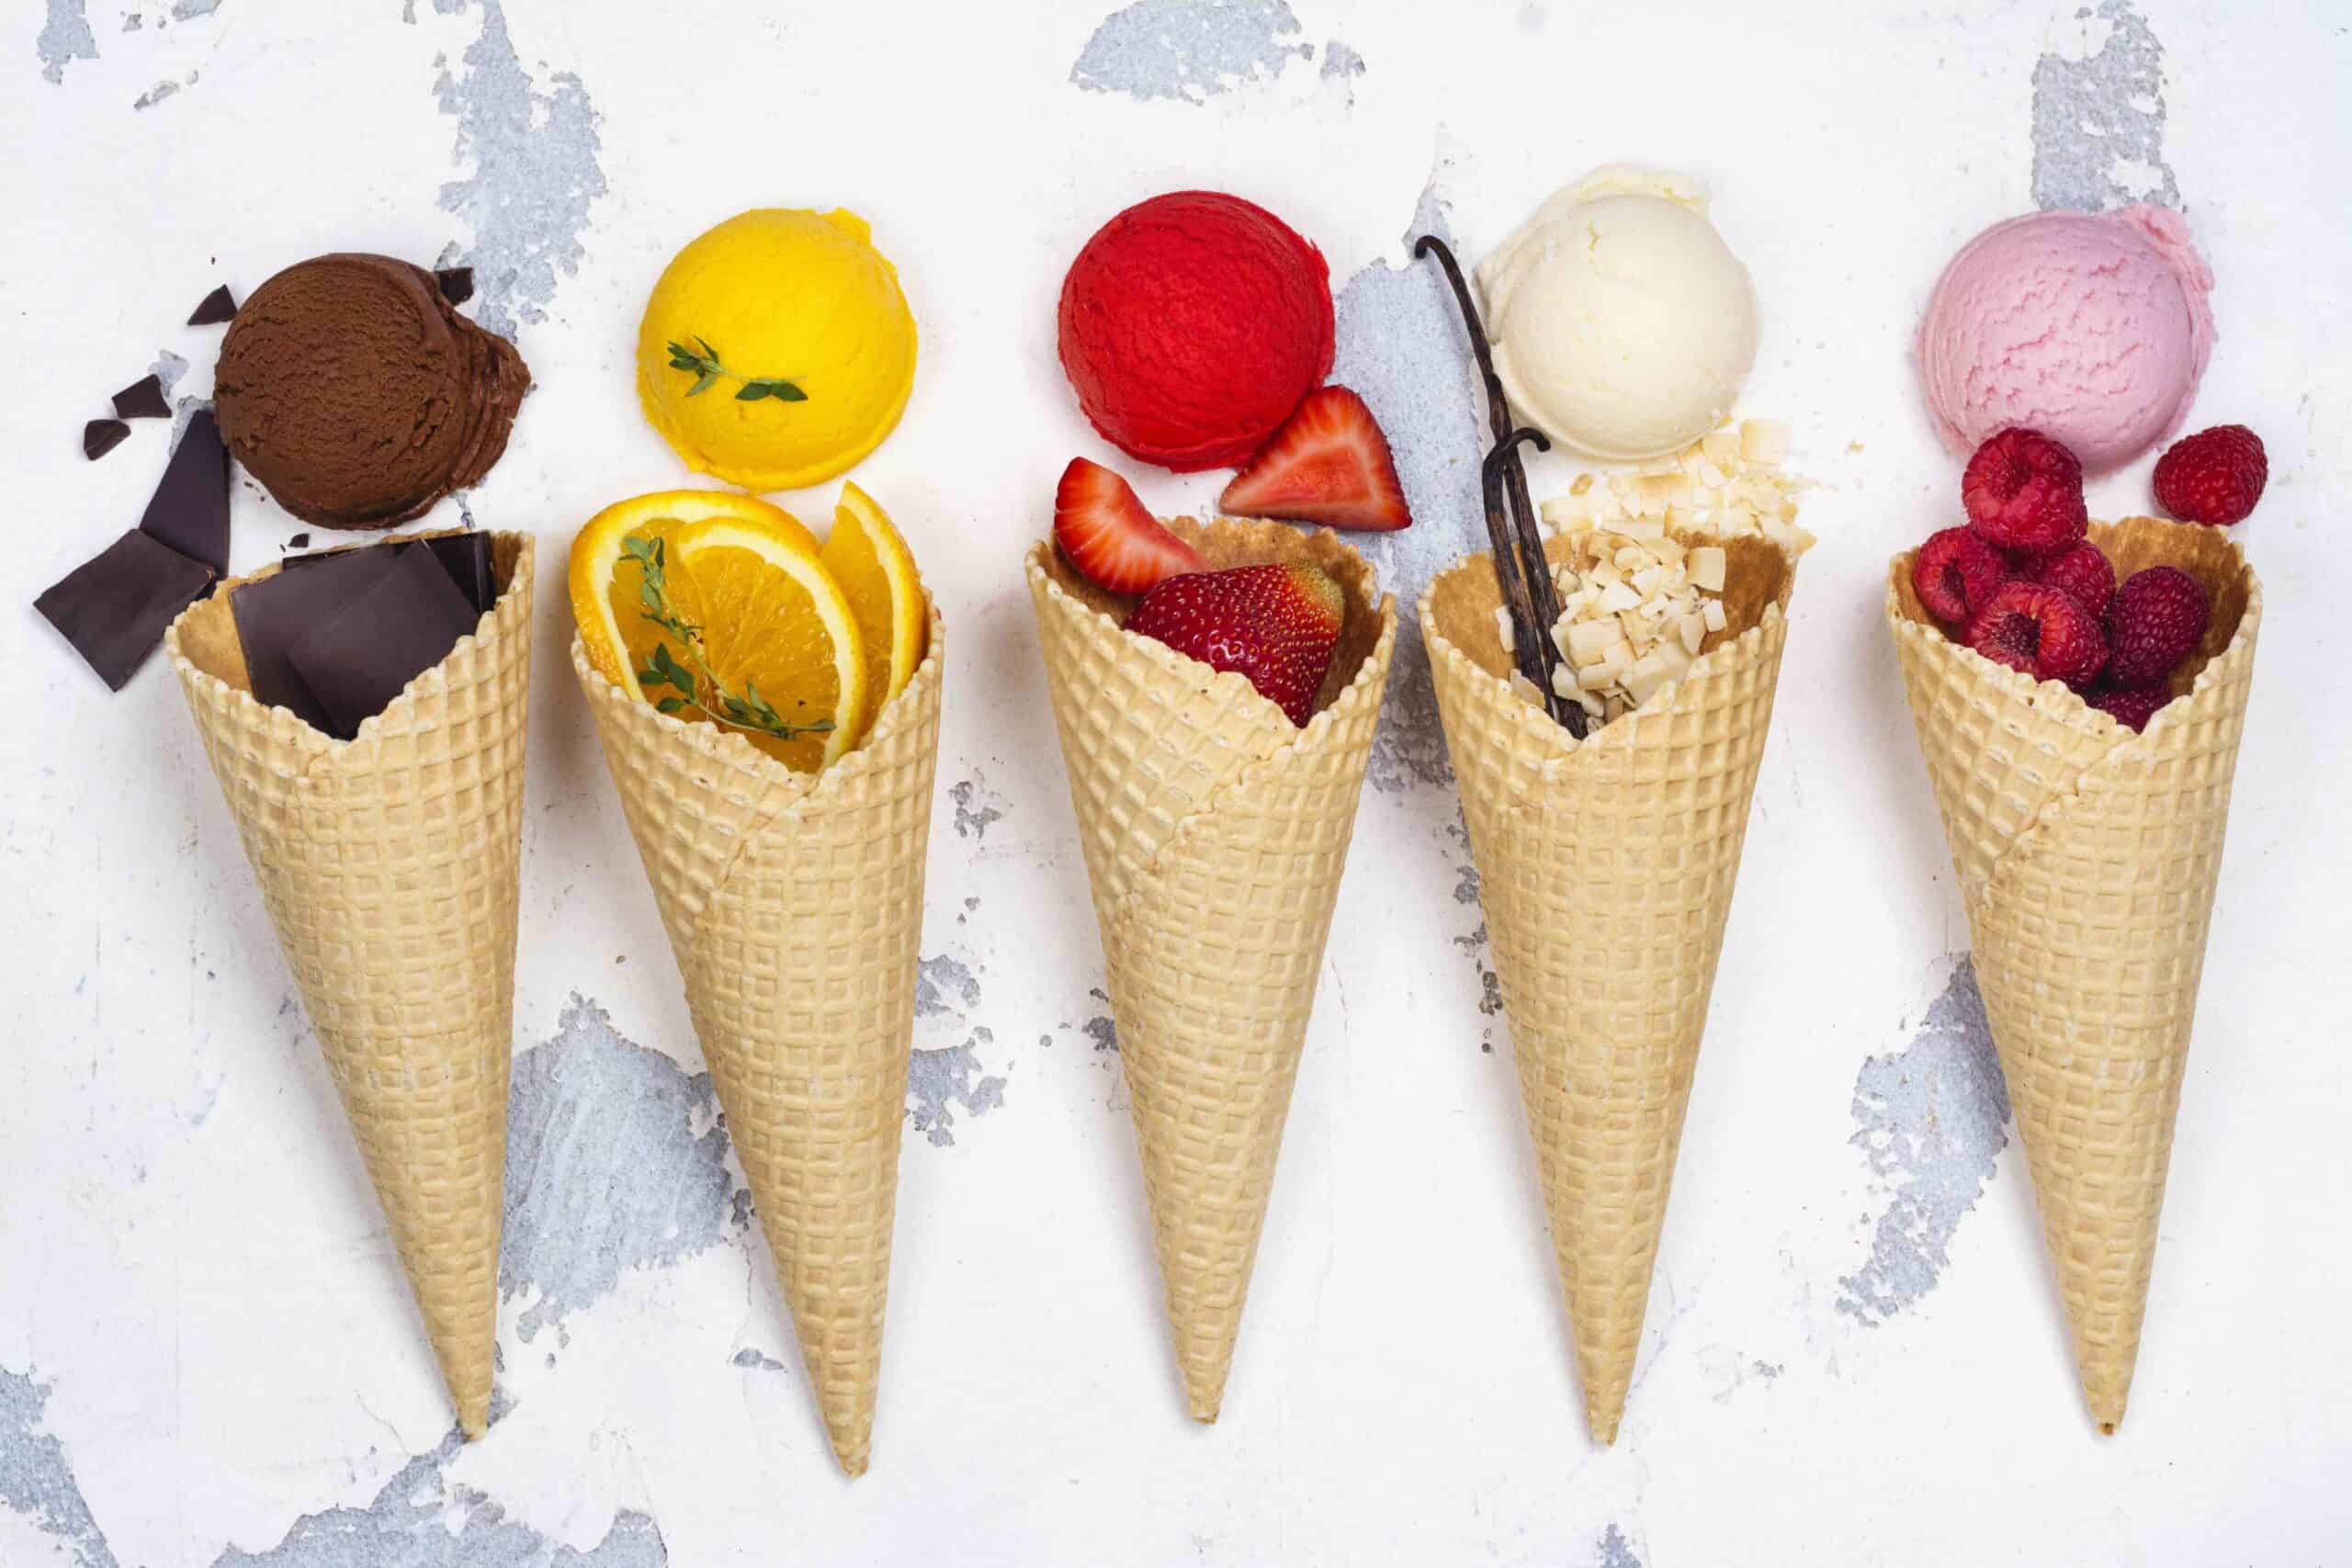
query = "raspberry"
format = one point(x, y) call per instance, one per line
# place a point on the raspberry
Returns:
point(2024, 491)
point(2132, 707)
point(2213, 476)
point(2082, 571)
point(2157, 619)
point(2039, 630)
point(1956, 573)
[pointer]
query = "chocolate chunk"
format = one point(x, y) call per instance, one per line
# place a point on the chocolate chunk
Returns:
point(456, 284)
point(360, 657)
point(143, 399)
point(190, 510)
point(101, 436)
point(275, 612)
point(465, 556)
point(299, 542)
point(218, 307)
point(114, 607)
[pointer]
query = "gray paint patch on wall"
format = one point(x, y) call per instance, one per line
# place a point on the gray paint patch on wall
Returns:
point(419, 1517)
point(535, 175)
point(2098, 122)
point(755, 1362)
point(616, 1160)
point(944, 986)
point(1402, 348)
point(1615, 1551)
point(977, 806)
point(1189, 50)
point(182, 9)
point(65, 36)
point(939, 1080)
point(35, 1479)
point(1931, 1118)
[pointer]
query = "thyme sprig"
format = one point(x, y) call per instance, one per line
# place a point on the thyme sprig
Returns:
point(694, 684)
point(708, 369)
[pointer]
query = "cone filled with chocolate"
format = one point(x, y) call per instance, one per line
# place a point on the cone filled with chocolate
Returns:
point(2087, 856)
point(1605, 873)
point(786, 856)
point(1215, 828)
point(388, 863)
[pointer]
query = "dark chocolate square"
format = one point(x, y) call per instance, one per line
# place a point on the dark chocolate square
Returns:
point(143, 399)
point(216, 308)
point(114, 607)
point(466, 557)
point(275, 612)
point(100, 436)
point(360, 657)
point(456, 284)
point(190, 510)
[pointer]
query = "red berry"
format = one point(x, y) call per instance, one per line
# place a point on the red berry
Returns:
point(2024, 491)
point(2157, 619)
point(1956, 573)
point(2214, 476)
point(1102, 527)
point(2132, 707)
point(2039, 630)
point(1276, 624)
point(2083, 571)
point(1328, 463)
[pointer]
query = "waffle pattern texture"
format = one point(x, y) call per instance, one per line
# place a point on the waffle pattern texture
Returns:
point(389, 864)
point(794, 904)
point(1605, 873)
point(1216, 832)
point(2088, 857)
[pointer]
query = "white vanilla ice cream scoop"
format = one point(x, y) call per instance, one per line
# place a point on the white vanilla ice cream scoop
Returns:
point(1623, 325)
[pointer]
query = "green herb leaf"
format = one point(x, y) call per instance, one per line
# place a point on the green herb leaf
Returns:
point(706, 366)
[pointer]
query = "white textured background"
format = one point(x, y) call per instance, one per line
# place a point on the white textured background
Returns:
point(1854, 1354)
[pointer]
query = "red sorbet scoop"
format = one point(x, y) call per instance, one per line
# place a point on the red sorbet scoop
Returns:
point(1190, 326)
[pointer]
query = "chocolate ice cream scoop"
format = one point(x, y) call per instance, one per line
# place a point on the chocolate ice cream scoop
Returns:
point(351, 388)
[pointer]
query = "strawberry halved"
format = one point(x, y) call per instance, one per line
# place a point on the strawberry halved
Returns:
point(1328, 463)
point(1101, 525)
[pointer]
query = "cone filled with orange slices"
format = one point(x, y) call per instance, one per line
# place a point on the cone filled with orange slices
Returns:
point(1216, 686)
point(769, 709)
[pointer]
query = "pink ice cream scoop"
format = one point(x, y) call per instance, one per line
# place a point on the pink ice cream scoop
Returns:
point(2091, 328)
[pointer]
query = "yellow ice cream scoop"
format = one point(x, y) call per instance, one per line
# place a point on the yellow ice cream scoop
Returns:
point(778, 349)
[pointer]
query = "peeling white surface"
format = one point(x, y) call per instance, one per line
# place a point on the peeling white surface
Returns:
point(211, 1350)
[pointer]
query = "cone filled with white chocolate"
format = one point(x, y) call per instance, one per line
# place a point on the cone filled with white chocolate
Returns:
point(2088, 858)
point(388, 863)
point(1606, 867)
point(1215, 831)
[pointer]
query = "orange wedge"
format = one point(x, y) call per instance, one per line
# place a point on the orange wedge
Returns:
point(876, 572)
point(749, 621)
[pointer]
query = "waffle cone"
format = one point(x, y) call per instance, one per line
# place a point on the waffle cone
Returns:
point(1605, 875)
point(2088, 857)
point(1216, 832)
point(793, 904)
point(388, 865)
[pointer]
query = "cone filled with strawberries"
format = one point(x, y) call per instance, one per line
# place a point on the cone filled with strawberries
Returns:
point(1216, 686)
point(2079, 690)
point(769, 710)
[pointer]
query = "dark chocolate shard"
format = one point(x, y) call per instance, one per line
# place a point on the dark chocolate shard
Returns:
point(101, 436)
point(456, 284)
point(114, 607)
point(190, 510)
point(143, 399)
point(464, 556)
point(299, 542)
point(218, 307)
point(275, 612)
point(361, 656)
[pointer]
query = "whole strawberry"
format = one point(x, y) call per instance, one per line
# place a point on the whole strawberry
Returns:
point(2213, 476)
point(2157, 619)
point(2131, 707)
point(1956, 573)
point(1276, 624)
point(2083, 571)
point(2023, 491)
point(2041, 631)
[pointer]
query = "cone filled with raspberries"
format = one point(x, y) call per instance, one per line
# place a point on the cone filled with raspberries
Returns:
point(2079, 689)
point(1216, 686)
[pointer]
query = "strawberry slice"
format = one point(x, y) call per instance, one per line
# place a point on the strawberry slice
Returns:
point(1102, 527)
point(1328, 463)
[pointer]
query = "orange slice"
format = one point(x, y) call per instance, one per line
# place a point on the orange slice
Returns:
point(876, 572)
point(773, 642)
